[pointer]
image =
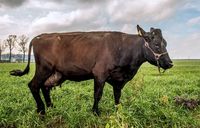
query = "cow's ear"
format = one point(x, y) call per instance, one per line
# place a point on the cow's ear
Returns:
point(151, 29)
point(141, 32)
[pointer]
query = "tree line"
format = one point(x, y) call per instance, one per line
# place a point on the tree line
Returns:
point(14, 42)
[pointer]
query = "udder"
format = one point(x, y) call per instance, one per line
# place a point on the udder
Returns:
point(53, 80)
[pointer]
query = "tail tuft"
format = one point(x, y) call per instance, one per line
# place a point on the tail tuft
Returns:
point(16, 72)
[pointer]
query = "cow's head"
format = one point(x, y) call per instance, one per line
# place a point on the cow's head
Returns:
point(155, 48)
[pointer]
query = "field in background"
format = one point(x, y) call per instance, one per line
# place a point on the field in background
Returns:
point(147, 100)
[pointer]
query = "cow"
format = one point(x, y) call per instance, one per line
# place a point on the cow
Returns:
point(104, 56)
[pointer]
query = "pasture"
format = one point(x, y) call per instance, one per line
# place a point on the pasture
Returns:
point(147, 100)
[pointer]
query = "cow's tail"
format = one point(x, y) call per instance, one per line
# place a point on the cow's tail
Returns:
point(18, 72)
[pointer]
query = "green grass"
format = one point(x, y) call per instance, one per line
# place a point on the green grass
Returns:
point(147, 100)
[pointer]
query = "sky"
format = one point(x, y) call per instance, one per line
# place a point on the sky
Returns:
point(179, 20)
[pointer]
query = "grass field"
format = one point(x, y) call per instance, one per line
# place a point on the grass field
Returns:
point(147, 100)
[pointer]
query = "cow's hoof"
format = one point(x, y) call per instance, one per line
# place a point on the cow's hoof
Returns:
point(41, 117)
point(41, 112)
point(96, 112)
point(50, 105)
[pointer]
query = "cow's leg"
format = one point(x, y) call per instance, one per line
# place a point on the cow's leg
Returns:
point(46, 94)
point(100, 73)
point(117, 87)
point(117, 95)
point(41, 74)
point(98, 91)
point(35, 89)
point(100, 76)
point(46, 90)
point(53, 80)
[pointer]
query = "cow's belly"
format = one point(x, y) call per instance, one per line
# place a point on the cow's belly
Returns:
point(75, 73)
point(78, 77)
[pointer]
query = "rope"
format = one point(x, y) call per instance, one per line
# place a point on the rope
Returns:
point(156, 55)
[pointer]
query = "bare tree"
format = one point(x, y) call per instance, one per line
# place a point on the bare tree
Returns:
point(2, 48)
point(10, 43)
point(23, 40)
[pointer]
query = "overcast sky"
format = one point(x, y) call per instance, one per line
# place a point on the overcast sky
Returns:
point(179, 20)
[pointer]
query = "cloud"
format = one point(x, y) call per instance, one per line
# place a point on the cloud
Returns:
point(185, 46)
point(5, 21)
point(147, 11)
point(60, 21)
point(42, 4)
point(194, 21)
point(11, 25)
point(64, 4)
point(91, 1)
point(11, 3)
point(60, 1)
point(192, 4)
point(129, 28)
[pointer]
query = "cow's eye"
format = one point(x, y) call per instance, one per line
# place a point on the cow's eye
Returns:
point(157, 48)
point(148, 39)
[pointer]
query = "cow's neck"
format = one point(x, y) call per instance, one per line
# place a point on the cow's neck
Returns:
point(137, 60)
point(138, 54)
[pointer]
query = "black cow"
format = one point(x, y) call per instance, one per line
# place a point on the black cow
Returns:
point(112, 57)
